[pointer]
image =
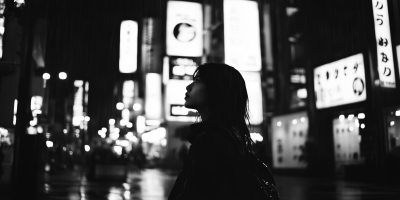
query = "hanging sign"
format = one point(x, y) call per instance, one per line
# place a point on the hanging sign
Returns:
point(184, 29)
point(383, 44)
point(242, 35)
point(340, 82)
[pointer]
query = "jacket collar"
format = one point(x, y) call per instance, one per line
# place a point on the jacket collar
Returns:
point(198, 128)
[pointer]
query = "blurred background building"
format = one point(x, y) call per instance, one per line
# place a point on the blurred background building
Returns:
point(100, 84)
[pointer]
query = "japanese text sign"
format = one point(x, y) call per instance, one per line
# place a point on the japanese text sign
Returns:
point(384, 44)
point(340, 82)
point(242, 35)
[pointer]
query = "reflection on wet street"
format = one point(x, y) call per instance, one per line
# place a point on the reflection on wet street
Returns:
point(155, 184)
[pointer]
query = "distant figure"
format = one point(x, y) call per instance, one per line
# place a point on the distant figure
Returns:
point(139, 158)
point(220, 163)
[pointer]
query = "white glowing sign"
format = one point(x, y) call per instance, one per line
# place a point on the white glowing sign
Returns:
point(153, 99)
point(175, 99)
point(242, 35)
point(289, 133)
point(340, 82)
point(253, 86)
point(128, 46)
point(346, 141)
point(184, 29)
point(383, 44)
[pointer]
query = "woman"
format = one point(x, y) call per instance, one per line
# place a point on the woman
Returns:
point(216, 166)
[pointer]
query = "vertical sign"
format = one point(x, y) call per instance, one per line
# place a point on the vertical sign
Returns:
point(384, 44)
point(184, 29)
point(242, 35)
point(151, 46)
point(153, 98)
point(128, 46)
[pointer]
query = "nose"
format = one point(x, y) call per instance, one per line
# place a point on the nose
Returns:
point(189, 87)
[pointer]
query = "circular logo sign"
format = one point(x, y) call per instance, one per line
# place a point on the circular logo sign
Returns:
point(358, 86)
point(184, 32)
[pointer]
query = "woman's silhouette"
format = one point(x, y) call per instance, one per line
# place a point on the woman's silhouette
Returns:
point(217, 163)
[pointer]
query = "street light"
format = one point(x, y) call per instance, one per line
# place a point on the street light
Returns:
point(62, 75)
point(120, 106)
point(111, 121)
point(46, 76)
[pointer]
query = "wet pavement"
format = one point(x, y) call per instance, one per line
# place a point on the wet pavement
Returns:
point(155, 184)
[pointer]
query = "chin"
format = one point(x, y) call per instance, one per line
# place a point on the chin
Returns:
point(188, 106)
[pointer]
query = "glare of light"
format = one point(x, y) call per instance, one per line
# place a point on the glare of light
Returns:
point(341, 117)
point(116, 130)
point(78, 83)
point(87, 118)
point(350, 117)
point(104, 129)
point(33, 122)
point(125, 114)
point(39, 129)
point(362, 126)
point(49, 144)
point(70, 152)
point(361, 116)
point(140, 124)
point(256, 137)
point(65, 131)
point(392, 123)
point(123, 143)
point(153, 122)
point(164, 142)
point(154, 136)
point(103, 135)
point(129, 125)
point(294, 121)
point(126, 186)
point(302, 93)
point(32, 130)
point(62, 75)
point(122, 122)
point(118, 149)
point(111, 121)
point(131, 137)
point(64, 149)
point(120, 105)
point(14, 120)
point(279, 123)
point(137, 106)
point(47, 168)
point(127, 195)
point(302, 119)
point(114, 136)
point(47, 135)
point(87, 148)
point(397, 113)
point(46, 76)
point(351, 128)
point(37, 112)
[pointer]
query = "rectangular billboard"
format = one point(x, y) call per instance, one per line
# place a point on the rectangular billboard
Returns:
point(242, 44)
point(184, 29)
point(340, 82)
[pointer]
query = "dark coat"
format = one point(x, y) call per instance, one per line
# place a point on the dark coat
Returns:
point(212, 168)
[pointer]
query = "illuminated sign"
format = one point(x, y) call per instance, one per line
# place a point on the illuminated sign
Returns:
point(175, 96)
point(184, 29)
point(128, 46)
point(253, 86)
point(242, 35)
point(151, 45)
point(182, 68)
point(289, 134)
point(181, 110)
point(128, 93)
point(340, 82)
point(153, 98)
point(346, 141)
point(383, 44)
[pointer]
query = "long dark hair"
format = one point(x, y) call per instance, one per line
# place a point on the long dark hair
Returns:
point(227, 98)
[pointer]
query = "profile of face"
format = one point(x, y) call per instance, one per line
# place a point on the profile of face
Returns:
point(196, 97)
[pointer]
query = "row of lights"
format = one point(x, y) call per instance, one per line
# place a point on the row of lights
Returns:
point(61, 75)
point(294, 121)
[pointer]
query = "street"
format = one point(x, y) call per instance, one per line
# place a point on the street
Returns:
point(155, 184)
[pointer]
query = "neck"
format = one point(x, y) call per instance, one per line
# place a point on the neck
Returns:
point(203, 113)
